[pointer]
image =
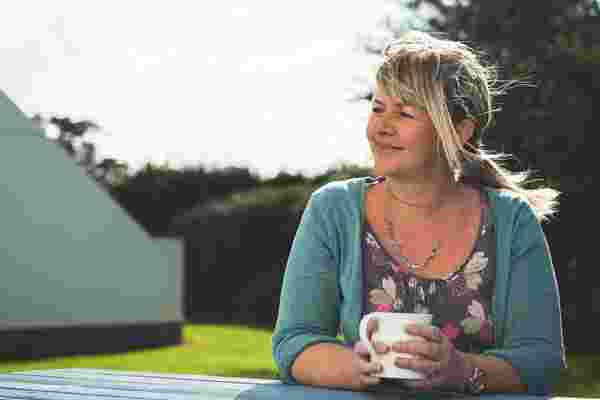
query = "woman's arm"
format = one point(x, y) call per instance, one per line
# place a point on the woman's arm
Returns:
point(309, 301)
point(305, 344)
point(335, 366)
point(532, 337)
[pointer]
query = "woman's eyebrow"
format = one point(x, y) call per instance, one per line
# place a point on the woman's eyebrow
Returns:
point(397, 104)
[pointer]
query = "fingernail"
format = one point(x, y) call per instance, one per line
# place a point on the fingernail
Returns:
point(398, 347)
point(398, 362)
point(381, 348)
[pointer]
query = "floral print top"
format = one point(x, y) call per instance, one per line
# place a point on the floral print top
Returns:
point(460, 303)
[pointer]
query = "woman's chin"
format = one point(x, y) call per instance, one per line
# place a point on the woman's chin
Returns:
point(400, 173)
point(390, 170)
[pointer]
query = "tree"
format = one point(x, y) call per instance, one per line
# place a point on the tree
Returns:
point(500, 27)
point(155, 194)
point(71, 137)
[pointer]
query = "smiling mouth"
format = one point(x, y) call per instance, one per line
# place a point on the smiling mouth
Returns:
point(390, 148)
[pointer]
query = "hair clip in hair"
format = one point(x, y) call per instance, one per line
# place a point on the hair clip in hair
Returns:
point(458, 98)
point(447, 72)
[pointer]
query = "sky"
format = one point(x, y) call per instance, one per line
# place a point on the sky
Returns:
point(261, 84)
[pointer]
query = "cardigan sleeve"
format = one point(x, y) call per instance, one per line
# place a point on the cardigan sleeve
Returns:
point(533, 337)
point(310, 296)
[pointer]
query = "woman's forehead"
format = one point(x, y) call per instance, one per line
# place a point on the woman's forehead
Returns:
point(383, 95)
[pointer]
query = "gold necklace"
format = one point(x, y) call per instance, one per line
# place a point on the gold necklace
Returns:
point(389, 230)
point(407, 203)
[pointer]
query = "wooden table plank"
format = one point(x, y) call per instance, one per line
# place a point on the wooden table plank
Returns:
point(127, 381)
point(93, 381)
point(129, 392)
point(76, 384)
point(161, 376)
point(108, 392)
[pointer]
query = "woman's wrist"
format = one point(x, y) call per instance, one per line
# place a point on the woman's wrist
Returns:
point(497, 374)
point(475, 376)
point(469, 361)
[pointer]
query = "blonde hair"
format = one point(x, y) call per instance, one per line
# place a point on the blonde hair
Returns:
point(451, 82)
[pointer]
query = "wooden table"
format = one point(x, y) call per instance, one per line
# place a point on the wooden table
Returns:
point(95, 384)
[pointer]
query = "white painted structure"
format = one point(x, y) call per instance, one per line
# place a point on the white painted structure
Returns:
point(70, 255)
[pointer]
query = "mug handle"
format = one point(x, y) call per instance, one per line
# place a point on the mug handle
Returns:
point(362, 331)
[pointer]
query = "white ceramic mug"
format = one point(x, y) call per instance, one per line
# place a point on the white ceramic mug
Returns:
point(391, 328)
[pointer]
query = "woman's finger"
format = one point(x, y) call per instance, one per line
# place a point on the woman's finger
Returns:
point(372, 326)
point(361, 349)
point(370, 379)
point(426, 367)
point(425, 384)
point(369, 368)
point(380, 347)
point(365, 371)
point(429, 332)
point(423, 349)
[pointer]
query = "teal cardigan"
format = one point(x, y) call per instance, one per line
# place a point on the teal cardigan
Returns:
point(323, 289)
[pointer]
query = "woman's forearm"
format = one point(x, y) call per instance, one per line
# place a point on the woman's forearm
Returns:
point(326, 364)
point(500, 376)
point(330, 365)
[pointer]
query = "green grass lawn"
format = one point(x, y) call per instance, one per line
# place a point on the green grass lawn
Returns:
point(245, 352)
point(206, 349)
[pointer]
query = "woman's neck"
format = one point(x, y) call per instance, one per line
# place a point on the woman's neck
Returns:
point(423, 197)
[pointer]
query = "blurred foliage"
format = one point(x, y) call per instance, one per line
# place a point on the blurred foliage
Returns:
point(73, 138)
point(154, 195)
point(236, 247)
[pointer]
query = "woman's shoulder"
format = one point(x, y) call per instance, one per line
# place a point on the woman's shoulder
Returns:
point(505, 198)
point(335, 190)
point(341, 197)
point(508, 205)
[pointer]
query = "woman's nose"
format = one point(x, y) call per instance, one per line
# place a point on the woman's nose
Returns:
point(386, 128)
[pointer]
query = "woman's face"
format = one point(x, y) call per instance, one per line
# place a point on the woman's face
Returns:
point(401, 137)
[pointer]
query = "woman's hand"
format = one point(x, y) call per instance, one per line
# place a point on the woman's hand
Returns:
point(363, 367)
point(435, 357)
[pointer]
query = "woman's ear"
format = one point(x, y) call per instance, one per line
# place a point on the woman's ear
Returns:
point(465, 129)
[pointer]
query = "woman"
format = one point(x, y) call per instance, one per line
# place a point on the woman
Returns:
point(442, 229)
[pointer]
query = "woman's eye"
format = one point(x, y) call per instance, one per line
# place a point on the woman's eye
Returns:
point(401, 114)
